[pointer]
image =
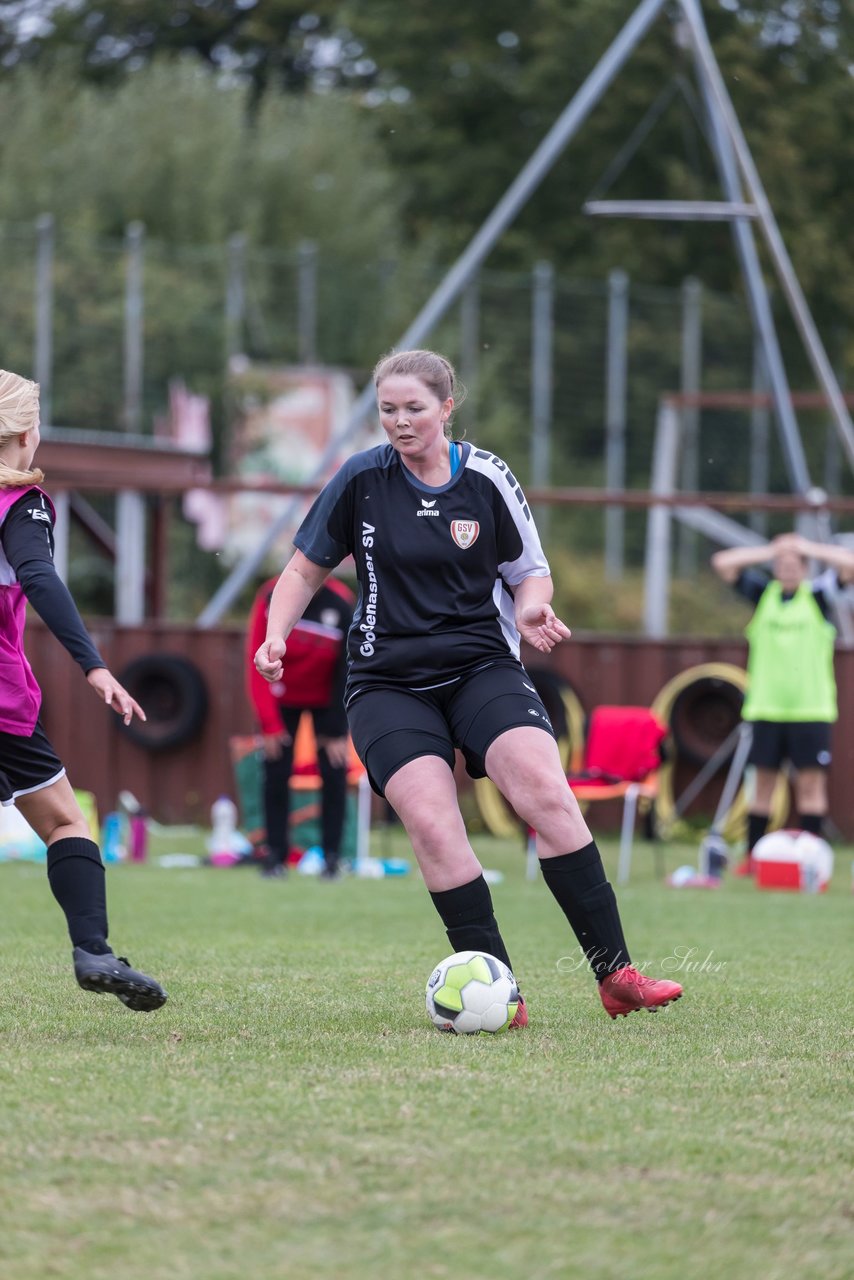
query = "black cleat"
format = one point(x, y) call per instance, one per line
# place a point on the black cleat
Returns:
point(113, 974)
point(274, 871)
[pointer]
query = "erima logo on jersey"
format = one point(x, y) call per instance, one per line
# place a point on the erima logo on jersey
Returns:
point(38, 513)
point(427, 508)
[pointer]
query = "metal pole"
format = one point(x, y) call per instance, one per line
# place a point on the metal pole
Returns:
point(706, 773)
point(670, 210)
point(832, 453)
point(734, 776)
point(718, 528)
point(470, 341)
point(785, 271)
point(129, 592)
point(43, 353)
point(235, 295)
point(657, 568)
point(519, 191)
point(692, 356)
point(832, 459)
point(307, 301)
point(542, 377)
point(134, 245)
point(62, 505)
point(759, 440)
point(757, 294)
point(616, 368)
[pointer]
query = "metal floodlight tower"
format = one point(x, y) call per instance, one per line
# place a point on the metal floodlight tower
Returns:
point(733, 155)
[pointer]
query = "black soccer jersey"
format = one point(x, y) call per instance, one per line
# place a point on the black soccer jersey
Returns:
point(27, 546)
point(436, 566)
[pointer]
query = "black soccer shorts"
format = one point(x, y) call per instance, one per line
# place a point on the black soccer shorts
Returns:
point(805, 743)
point(391, 725)
point(27, 764)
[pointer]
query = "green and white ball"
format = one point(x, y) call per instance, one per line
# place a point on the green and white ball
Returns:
point(471, 993)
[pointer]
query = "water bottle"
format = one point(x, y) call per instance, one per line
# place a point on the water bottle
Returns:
point(222, 843)
point(114, 837)
point(138, 837)
point(809, 876)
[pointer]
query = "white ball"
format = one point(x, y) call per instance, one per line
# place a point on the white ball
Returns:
point(472, 992)
point(809, 851)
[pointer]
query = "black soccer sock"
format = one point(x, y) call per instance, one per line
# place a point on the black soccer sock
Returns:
point(811, 822)
point(757, 825)
point(581, 890)
point(76, 876)
point(469, 919)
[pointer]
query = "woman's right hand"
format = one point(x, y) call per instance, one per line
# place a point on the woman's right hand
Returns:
point(268, 660)
point(114, 694)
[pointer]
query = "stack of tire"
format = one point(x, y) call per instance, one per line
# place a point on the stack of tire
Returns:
point(173, 692)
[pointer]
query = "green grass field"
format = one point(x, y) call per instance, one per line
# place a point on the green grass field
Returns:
point(292, 1113)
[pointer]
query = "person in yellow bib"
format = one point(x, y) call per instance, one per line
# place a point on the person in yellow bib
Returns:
point(791, 689)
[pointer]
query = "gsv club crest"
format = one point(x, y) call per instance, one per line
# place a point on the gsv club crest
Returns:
point(464, 532)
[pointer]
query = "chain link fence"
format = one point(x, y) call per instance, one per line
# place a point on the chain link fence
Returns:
point(556, 385)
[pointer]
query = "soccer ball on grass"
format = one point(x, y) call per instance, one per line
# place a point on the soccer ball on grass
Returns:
point(472, 992)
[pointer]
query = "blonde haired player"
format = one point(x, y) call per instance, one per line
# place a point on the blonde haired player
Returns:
point(31, 775)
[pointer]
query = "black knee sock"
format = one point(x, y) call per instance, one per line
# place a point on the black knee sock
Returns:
point(469, 920)
point(76, 875)
point(581, 890)
point(811, 822)
point(757, 825)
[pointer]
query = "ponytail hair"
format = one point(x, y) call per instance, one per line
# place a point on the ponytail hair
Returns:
point(19, 412)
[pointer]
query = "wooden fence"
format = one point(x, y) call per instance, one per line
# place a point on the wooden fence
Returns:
point(179, 783)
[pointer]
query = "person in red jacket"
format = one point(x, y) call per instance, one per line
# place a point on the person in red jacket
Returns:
point(313, 680)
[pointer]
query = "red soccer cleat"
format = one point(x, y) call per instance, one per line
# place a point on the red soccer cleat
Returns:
point(627, 990)
point(521, 1018)
point(744, 868)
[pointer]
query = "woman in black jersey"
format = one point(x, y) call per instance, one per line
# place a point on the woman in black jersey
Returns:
point(451, 575)
point(31, 775)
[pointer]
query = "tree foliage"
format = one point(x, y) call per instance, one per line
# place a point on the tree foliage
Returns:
point(486, 82)
point(460, 95)
point(171, 146)
point(271, 44)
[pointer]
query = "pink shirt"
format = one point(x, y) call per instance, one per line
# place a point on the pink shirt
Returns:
point(20, 696)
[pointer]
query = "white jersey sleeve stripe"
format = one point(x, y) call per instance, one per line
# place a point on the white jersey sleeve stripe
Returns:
point(531, 562)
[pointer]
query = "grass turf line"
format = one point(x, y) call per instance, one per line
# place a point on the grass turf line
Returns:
point(291, 1112)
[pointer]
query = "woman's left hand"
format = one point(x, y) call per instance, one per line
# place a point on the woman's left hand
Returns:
point(540, 626)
